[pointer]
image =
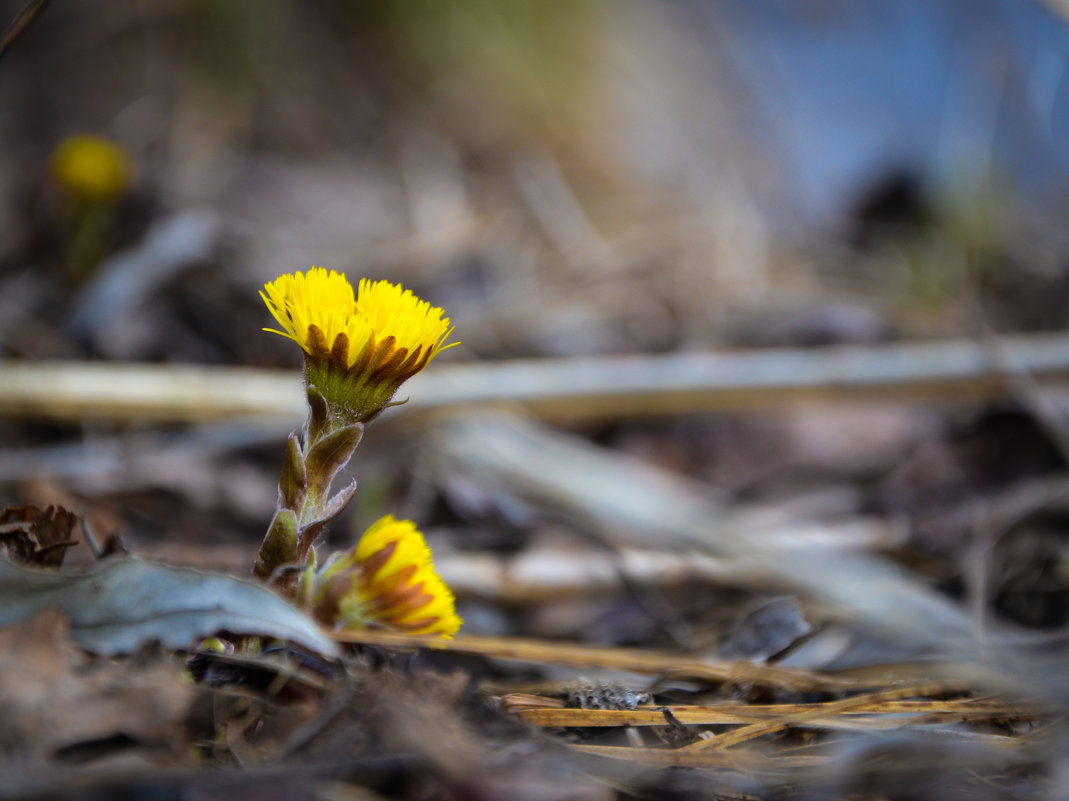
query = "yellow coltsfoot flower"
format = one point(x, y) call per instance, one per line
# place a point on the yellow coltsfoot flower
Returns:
point(359, 347)
point(92, 169)
point(387, 581)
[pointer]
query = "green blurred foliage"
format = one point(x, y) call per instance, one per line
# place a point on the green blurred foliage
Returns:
point(532, 59)
point(229, 42)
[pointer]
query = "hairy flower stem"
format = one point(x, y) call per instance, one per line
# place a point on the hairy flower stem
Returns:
point(305, 506)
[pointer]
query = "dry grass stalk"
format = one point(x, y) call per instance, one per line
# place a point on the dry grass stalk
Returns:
point(602, 388)
point(866, 715)
point(635, 660)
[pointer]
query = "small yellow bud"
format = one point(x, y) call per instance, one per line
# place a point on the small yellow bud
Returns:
point(388, 581)
point(91, 168)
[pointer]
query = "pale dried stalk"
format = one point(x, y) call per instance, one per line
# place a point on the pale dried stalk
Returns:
point(604, 387)
point(635, 503)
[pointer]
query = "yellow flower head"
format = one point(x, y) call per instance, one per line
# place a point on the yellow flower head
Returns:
point(359, 347)
point(91, 168)
point(387, 580)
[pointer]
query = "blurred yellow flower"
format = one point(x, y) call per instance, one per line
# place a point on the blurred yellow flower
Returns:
point(360, 347)
point(91, 168)
point(388, 580)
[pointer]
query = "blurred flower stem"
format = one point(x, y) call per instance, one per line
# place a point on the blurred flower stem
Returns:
point(94, 175)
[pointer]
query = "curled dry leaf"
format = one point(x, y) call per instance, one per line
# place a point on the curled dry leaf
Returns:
point(35, 536)
point(120, 605)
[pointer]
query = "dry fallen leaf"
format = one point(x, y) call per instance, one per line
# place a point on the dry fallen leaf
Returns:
point(121, 604)
point(35, 536)
point(57, 703)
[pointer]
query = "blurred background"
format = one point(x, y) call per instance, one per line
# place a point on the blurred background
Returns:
point(566, 178)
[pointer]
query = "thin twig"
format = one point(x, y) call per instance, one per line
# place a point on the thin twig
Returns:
point(818, 711)
point(21, 24)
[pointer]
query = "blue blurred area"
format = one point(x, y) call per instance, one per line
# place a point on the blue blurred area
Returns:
point(955, 92)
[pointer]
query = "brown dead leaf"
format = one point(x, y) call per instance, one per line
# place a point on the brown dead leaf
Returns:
point(56, 701)
point(34, 536)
